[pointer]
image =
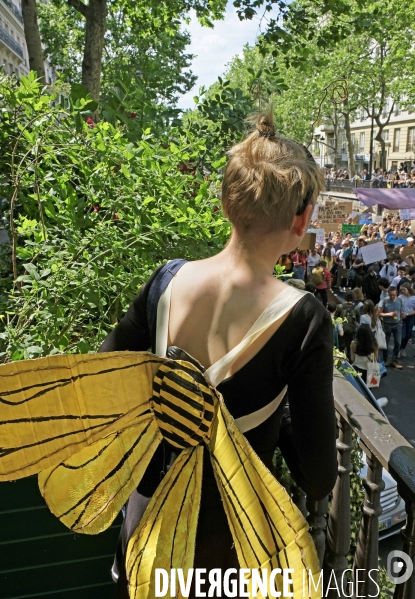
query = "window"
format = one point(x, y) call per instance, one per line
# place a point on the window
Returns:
point(385, 135)
point(362, 143)
point(353, 136)
point(410, 140)
point(397, 109)
point(385, 111)
point(343, 142)
point(362, 115)
point(396, 139)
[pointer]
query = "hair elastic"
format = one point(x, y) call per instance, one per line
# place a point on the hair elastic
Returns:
point(265, 134)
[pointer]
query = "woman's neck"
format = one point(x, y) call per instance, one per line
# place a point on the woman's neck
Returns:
point(256, 252)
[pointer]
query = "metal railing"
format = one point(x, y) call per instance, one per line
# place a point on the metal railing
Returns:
point(7, 39)
point(347, 185)
point(384, 448)
point(13, 9)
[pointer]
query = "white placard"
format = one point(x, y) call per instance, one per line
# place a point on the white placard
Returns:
point(408, 214)
point(373, 253)
point(314, 216)
point(376, 219)
point(320, 235)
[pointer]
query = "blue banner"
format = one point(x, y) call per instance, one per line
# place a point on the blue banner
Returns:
point(392, 239)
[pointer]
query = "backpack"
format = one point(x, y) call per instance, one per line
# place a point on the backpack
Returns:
point(350, 322)
point(347, 253)
point(317, 276)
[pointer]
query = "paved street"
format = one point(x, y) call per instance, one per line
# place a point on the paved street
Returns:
point(399, 388)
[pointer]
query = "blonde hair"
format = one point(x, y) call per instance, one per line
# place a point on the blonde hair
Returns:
point(269, 178)
point(357, 294)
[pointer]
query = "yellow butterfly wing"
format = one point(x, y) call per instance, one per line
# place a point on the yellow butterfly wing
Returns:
point(268, 529)
point(52, 407)
point(87, 491)
point(166, 536)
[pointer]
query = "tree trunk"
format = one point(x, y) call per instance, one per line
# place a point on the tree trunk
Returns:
point(32, 35)
point(95, 26)
point(350, 147)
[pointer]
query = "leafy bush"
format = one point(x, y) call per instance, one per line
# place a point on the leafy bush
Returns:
point(91, 214)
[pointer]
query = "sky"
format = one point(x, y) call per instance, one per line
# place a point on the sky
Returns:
point(214, 48)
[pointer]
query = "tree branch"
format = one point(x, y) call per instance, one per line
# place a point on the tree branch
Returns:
point(78, 5)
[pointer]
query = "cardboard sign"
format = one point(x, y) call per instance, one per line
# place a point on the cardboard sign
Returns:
point(408, 214)
point(407, 251)
point(308, 242)
point(331, 213)
point(373, 253)
point(377, 219)
point(353, 229)
point(413, 227)
point(330, 227)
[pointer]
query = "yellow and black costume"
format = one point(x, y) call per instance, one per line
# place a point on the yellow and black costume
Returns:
point(104, 428)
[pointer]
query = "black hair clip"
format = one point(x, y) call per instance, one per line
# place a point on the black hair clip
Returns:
point(265, 134)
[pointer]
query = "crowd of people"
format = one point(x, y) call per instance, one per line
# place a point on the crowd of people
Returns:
point(403, 176)
point(377, 299)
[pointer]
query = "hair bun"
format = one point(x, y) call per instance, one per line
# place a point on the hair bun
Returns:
point(265, 125)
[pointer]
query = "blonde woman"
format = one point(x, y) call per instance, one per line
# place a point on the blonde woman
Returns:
point(270, 186)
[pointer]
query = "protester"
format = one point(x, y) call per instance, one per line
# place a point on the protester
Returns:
point(407, 297)
point(383, 288)
point(358, 299)
point(390, 310)
point(312, 261)
point(408, 278)
point(351, 319)
point(400, 275)
point(370, 315)
point(321, 278)
point(371, 286)
point(300, 263)
point(363, 349)
point(311, 288)
point(390, 270)
point(337, 322)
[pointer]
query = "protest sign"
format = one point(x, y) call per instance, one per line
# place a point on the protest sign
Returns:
point(373, 253)
point(396, 239)
point(331, 213)
point(308, 242)
point(314, 216)
point(330, 227)
point(376, 219)
point(407, 214)
point(413, 227)
point(353, 229)
point(407, 251)
point(365, 221)
point(320, 235)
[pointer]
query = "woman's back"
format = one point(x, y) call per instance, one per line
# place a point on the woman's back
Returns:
point(221, 302)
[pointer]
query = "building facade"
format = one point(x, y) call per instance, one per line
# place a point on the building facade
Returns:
point(330, 144)
point(13, 50)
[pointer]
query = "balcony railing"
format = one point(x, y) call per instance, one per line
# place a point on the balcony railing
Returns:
point(13, 9)
point(7, 39)
point(384, 448)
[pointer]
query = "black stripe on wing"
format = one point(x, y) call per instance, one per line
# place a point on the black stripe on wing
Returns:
point(63, 382)
point(173, 483)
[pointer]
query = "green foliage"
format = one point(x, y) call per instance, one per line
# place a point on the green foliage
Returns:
point(91, 215)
